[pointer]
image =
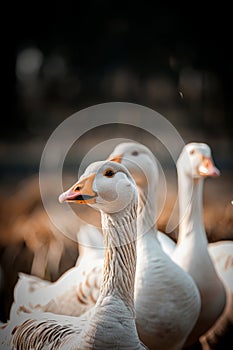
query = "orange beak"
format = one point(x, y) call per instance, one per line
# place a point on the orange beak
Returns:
point(117, 158)
point(207, 168)
point(81, 192)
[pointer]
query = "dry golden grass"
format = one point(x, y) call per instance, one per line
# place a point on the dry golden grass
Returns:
point(30, 243)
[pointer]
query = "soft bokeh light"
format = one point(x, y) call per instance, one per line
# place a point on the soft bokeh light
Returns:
point(28, 63)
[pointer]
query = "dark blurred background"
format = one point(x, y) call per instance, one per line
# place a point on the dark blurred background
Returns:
point(60, 58)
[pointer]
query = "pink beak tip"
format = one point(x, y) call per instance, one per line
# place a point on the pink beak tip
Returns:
point(217, 172)
point(61, 198)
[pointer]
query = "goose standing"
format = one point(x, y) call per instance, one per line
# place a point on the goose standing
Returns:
point(108, 187)
point(191, 253)
point(167, 301)
point(221, 252)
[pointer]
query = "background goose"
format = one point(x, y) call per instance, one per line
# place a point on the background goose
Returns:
point(167, 301)
point(220, 252)
point(75, 291)
point(69, 295)
point(108, 187)
point(191, 252)
point(220, 335)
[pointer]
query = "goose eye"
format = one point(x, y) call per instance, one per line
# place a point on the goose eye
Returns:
point(192, 151)
point(134, 153)
point(109, 173)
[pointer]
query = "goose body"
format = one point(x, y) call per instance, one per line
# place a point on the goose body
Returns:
point(167, 244)
point(115, 195)
point(221, 253)
point(69, 295)
point(220, 335)
point(76, 291)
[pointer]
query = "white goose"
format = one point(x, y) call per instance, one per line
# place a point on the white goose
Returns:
point(108, 187)
point(220, 252)
point(167, 301)
point(71, 293)
point(191, 252)
point(220, 335)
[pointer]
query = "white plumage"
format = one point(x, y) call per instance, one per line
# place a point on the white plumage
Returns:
point(162, 288)
point(220, 335)
point(191, 253)
point(111, 323)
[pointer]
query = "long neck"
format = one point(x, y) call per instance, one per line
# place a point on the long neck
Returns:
point(120, 234)
point(147, 210)
point(190, 207)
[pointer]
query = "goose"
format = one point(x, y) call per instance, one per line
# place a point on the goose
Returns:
point(108, 187)
point(191, 252)
point(167, 301)
point(220, 335)
point(156, 273)
point(221, 253)
point(70, 294)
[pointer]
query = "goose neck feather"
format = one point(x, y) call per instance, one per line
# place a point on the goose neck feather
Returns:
point(120, 234)
point(146, 213)
point(190, 207)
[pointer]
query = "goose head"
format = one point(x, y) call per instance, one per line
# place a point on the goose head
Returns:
point(138, 159)
point(196, 161)
point(106, 186)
